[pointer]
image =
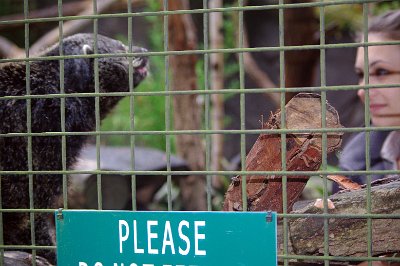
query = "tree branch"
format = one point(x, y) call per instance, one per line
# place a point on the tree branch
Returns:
point(69, 9)
point(71, 26)
point(258, 76)
point(255, 73)
point(8, 49)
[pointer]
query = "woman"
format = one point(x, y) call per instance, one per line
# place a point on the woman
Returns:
point(384, 106)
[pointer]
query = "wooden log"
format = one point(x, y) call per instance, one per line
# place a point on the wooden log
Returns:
point(303, 153)
point(348, 236)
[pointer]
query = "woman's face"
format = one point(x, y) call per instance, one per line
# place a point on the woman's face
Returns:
point(384, 68)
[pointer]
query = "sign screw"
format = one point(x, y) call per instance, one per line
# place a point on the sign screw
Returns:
point(269, 217)
point(60, 214)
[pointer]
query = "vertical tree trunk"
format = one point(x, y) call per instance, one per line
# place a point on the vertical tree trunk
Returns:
point(301, 27)
point(217, 83)
point(187, 113)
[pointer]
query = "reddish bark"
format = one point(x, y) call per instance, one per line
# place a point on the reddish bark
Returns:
point(303, 153)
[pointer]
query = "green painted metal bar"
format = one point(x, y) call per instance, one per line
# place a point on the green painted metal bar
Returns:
point(185, 132)
point(203, 51)
point(1, 224)
point(27, 247)
point(29, 130)
point(297, 257)
point(324, 152)
point(282, 84)
point(1, 220)
point(375, 216)
point(131, 107)
point(333, 258)
point(367, 134)
point(97, 107)
point(364, 216)
point(242, 103)
point(168, 111)
point(201, 92)
point(227, 173)
point(62, 109)
point(316, 131)
point(207, 105)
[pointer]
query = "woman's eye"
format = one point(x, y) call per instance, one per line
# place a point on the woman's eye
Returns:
point(381, 72)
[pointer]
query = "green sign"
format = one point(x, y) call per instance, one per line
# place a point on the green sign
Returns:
point(122, 238)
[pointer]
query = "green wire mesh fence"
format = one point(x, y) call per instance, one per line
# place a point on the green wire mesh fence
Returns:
point(168, 93)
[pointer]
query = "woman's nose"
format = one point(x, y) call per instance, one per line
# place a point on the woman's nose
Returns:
point(373, 92)
point(361, 94)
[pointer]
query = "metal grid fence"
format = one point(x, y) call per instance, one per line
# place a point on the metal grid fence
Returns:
point(169, 132)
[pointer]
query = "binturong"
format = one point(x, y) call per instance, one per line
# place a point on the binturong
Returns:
point(23, 149)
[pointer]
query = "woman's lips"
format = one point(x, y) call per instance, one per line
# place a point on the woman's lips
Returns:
point(374, 108)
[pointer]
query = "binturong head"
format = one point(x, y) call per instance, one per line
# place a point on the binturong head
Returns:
point(111, 70)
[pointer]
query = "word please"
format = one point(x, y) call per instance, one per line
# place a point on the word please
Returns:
point(183, 238)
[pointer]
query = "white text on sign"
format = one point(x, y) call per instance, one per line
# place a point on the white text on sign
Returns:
point(168, 239)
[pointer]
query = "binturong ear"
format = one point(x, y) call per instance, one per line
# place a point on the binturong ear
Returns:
point(87, 49)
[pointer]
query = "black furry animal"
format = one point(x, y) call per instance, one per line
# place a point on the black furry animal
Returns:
point(45, 115)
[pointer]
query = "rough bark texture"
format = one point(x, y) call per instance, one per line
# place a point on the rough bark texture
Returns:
point(303, 153)
point(187, 114)
point(348, 237)
point(301, 28)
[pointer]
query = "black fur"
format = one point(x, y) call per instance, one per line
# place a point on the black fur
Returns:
point(45, 117)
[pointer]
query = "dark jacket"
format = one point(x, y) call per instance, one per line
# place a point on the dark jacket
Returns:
point(353, 156)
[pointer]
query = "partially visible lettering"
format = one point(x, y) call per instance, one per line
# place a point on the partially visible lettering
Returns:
point(81, 263)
